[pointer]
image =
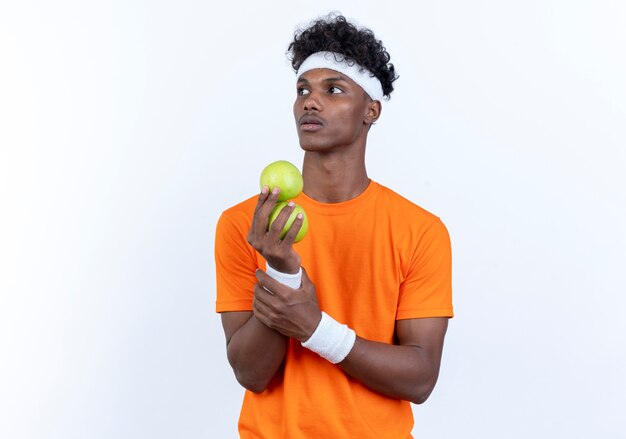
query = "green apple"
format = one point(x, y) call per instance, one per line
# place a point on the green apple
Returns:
point(296, 210)
point(284, 175)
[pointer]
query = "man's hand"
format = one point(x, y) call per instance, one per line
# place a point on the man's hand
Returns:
point(277, 252)
point(294, 313)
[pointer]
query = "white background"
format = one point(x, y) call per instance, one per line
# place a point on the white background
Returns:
point(127, 127)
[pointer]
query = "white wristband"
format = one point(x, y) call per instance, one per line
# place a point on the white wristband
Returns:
point(331, 340)
point(291, 280)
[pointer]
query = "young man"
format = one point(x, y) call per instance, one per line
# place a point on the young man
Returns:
point(334, 336)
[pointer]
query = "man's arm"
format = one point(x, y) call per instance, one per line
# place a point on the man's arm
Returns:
point(406, 371)
point(256, 352)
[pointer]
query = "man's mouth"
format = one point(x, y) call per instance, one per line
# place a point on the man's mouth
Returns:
point(310, 123)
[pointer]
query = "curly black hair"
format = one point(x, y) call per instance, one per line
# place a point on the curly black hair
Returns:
point(335, 34)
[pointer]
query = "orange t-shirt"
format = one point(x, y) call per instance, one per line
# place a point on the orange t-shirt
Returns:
point(374, 259)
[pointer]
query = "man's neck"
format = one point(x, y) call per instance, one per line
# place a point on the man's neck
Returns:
point(332, 177)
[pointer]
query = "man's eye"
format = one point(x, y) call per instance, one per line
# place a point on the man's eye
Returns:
point(302, 91)
point(335, 90)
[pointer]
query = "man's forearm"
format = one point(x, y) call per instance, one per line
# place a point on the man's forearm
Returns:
point(407, 371)
point(255, 353)
point(403, 372)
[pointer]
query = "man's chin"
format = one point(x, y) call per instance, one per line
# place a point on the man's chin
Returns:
point(307, 145)
point(314, 145)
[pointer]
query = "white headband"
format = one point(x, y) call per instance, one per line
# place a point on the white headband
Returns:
point(337, 62)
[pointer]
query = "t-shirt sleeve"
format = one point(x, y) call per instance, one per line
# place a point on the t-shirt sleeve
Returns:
point(235, 264)
point(426, 290)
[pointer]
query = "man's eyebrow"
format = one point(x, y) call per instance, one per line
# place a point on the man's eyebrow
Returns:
point(332, 79)
point(335, 78)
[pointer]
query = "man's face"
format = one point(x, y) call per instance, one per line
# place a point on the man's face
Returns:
point(330, 110)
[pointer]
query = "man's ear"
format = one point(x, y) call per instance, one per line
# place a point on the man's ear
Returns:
point(372, 112)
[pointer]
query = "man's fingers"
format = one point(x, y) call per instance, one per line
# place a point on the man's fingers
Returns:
point(260, 310)
point(263, 305)
point(261, 293)
point(262, 300)
point(265, 191)
point(306, 280)
point(279, 223)
point(263, 196)
point(261, 276)
point(263, 210)
point(269, 285)
point(290, 237)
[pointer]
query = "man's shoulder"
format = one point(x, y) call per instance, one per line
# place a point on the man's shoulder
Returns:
point(243, 209)
point(413, 226)
point(239, 216)
point(398, 204)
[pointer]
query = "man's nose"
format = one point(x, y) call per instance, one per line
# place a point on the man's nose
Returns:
point(312, 102)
